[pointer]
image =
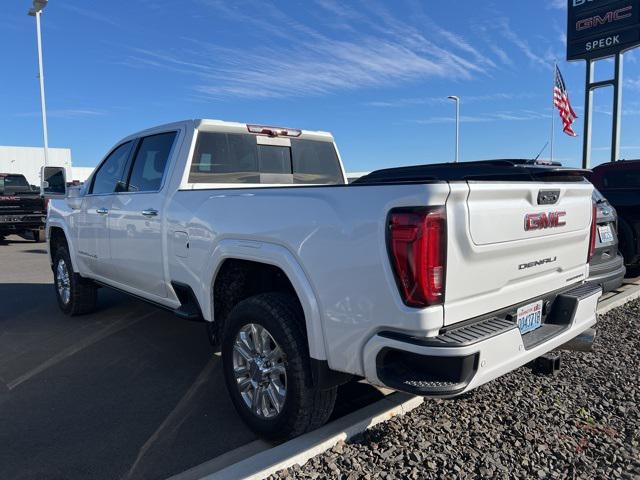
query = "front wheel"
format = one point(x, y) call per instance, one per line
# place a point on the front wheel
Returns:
point(267, 368)
point(75, 294)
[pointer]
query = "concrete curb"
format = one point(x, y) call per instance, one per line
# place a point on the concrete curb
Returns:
point(301, 449)
point(628, 292)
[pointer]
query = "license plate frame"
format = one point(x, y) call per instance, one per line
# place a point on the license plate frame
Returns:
point(529, 317)
point(605, 233)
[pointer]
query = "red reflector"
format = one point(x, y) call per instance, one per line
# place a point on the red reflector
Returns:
point(274, 131)
point(592, 239)
point(417, 248)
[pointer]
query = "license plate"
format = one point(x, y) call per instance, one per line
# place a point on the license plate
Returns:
point(605, 233)
point(530, 317)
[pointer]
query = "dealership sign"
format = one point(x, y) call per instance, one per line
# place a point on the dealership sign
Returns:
point(601, 28)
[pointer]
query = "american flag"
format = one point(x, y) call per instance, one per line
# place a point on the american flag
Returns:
point(563, 104)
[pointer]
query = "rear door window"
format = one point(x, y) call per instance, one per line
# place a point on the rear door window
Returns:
point(150, 163)
point(237, 158)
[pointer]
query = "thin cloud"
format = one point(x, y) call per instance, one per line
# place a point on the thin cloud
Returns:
point(515, 116)
point(523, 45)
point(380, 50)
point(66, 113)
point(406, 102)
point(558, 4)
point(622, 147)
point(91, 14)
point(632, 83)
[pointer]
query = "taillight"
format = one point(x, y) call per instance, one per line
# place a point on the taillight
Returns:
point(592, 239)
point(417, 247)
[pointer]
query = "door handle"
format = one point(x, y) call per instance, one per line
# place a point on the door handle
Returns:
point(102, 211)
point(150, 212)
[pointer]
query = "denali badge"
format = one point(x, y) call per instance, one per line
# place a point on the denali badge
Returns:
point(536, 263)
point(540, 221)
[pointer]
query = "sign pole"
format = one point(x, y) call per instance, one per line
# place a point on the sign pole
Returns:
point(588, 102)
point(553, 108)
point(617, 109)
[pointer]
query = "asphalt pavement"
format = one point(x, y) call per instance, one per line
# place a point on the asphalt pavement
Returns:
point(127, 392)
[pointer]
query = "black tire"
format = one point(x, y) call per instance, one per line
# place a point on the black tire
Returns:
point(83, 293)
point(305, 407)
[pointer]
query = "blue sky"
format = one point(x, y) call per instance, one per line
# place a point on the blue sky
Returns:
point(374, 73)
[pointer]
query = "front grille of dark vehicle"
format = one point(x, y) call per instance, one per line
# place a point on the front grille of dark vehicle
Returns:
point(17, 217)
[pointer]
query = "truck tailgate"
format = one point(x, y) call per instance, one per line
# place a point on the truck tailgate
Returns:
point(511, 242)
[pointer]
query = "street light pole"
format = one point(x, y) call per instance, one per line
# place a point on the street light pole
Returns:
point(36, 11)
point(457, 100)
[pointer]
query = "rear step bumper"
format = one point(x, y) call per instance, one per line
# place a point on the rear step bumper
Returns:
point(466, 356)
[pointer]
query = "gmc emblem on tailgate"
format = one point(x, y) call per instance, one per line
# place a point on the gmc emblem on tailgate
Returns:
point(541, 221)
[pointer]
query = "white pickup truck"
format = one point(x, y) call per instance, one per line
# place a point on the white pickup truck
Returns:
point(431, 279)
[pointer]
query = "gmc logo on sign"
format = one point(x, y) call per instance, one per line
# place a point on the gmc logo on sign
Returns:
point(540, 221)
point(609, 17)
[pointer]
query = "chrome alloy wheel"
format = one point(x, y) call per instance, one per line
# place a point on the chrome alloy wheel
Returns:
point(63, 281)
point(259, 369)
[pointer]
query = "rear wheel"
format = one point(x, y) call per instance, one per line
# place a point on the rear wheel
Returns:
point(267, 368)
point(75, 294)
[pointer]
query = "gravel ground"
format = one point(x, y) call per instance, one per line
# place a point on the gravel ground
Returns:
point(582, 423)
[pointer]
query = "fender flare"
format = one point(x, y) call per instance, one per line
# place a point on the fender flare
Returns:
point(55, 223)
point(278, 256)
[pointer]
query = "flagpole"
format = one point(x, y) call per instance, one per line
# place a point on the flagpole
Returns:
point(553, 108)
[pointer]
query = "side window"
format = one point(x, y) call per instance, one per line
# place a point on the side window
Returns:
point(623, 178)
point(150, 162)
point(112, 170)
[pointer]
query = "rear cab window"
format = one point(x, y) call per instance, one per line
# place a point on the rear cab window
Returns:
point(228, 158)
point(14, 184)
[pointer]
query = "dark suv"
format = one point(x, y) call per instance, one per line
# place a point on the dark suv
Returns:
point(607, 265)
point(619, 182)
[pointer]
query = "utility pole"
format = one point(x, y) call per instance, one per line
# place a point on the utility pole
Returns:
point(457, 100)
point(36, 11)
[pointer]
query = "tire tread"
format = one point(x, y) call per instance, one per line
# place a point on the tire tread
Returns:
point(84, 293)
point(313, 406)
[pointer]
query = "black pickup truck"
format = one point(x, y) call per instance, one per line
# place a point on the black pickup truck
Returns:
point(22, 210)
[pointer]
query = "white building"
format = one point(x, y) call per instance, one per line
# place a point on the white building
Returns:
point(29, 160)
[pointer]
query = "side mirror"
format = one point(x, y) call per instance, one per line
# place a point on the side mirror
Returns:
point(53, 182)
point(74, 197)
